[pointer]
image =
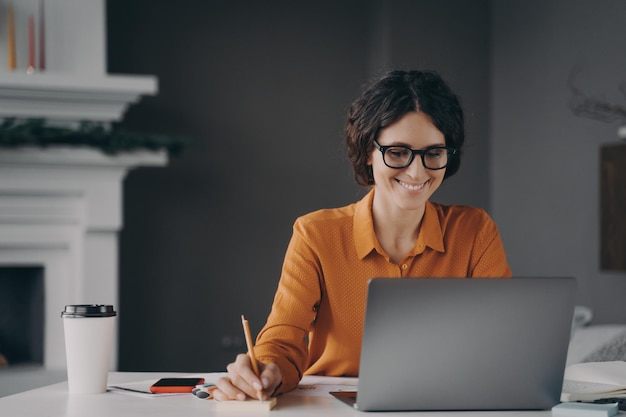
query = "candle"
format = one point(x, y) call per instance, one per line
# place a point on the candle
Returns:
point(11, 49)
point(42, 38)
point(31, 44)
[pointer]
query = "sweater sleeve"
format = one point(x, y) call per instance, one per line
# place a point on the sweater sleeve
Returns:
point(489, 257)
point(283, 339)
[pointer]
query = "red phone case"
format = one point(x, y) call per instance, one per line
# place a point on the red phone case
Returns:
point(179, 385)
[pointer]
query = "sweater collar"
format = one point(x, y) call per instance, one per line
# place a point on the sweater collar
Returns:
point(365, 240)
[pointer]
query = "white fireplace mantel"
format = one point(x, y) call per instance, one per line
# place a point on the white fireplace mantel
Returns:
point(61, 208)
point(64, 98)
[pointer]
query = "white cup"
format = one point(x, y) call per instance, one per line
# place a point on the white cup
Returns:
point(89, 332)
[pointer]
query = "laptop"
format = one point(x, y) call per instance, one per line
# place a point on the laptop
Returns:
point(464, 344)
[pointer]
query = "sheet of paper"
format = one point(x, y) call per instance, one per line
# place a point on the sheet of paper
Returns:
point(581, 387)
point(311, 385)
point(137, 389)
point(142, 388)
point(610, 373)
point(320, 386)
point(590, 391)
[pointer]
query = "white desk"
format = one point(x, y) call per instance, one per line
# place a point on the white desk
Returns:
point(54, 400)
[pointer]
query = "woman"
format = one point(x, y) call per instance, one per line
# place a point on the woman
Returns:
point(404, 136)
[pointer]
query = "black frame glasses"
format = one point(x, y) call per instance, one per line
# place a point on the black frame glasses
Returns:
point(431, 155)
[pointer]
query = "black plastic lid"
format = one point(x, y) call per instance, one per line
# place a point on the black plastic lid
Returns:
point(88, 310)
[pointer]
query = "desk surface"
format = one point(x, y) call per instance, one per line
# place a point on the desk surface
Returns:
point(54, 400)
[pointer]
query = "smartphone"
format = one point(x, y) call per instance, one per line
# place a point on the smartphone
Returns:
point(175, 385)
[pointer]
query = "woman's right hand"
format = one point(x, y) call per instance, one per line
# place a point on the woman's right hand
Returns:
point(242, 382)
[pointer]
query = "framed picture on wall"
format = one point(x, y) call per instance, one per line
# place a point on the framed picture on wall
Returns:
point(613, 207)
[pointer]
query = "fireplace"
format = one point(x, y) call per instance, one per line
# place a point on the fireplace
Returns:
point(21, 315)
point(61, 208)
point(60, 215)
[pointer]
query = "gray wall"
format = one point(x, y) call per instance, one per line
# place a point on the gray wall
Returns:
point(545, 160)
point(262, 89)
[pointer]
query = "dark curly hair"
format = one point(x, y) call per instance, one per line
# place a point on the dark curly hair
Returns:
point(391, 97)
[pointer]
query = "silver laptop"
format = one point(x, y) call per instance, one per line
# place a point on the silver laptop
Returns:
point(464, 344)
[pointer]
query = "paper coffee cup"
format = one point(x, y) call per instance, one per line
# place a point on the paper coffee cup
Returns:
point(88, 332)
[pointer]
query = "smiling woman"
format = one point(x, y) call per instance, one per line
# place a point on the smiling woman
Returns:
point(315, 325)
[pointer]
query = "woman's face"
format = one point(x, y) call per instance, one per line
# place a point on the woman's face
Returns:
point(407, 188)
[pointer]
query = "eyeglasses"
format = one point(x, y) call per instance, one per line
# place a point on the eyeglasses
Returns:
point(435, 157)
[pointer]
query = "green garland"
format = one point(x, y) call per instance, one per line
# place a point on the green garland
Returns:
point(34, 132)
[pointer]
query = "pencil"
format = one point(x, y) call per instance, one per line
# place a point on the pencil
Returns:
point(250, 345)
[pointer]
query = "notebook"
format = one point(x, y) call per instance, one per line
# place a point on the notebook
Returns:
point(464, 344)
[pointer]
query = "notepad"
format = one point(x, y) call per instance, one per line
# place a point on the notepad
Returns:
point(246, 405)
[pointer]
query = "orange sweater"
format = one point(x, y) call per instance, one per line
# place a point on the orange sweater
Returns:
point(316, 322)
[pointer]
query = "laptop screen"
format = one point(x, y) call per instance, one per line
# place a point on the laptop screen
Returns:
point(465, 344)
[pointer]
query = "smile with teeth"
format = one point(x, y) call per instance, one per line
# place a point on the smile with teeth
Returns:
point(412, 187)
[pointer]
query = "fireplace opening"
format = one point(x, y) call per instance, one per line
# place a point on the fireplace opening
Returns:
point(21, 315)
